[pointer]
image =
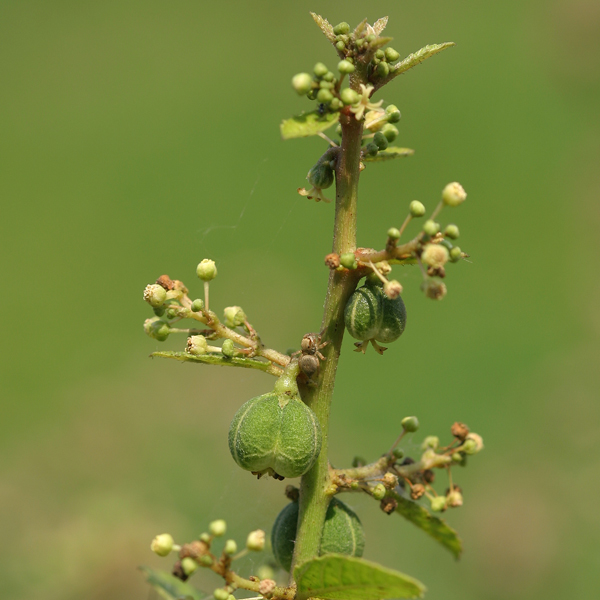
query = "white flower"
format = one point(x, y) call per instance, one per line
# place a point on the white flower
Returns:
point(363, 103)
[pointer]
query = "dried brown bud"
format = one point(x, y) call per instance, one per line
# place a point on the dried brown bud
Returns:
point(388, 505)
point(179, 572)
point(292, 493)
point(390, 481)
point(428, 476)
point(332, 260)
point(179, 285)
point(266, 587)
point(460, 431)
point(166, 282)
point(417, 491)
point(194, 549)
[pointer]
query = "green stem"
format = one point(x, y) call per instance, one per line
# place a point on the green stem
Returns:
point(314, 493)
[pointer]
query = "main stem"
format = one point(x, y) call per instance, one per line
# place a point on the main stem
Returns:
point(314, 497)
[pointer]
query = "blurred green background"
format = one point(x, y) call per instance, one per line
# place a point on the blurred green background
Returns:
point(137, 138)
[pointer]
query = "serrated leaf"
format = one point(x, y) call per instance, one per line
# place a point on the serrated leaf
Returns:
point(306, 124)
point(324, 26)
point(389, 153)
point(379, 25)
point(412, 60)
point(437, 528)
point(378, 43)
point(169, 587)
point(337, 577)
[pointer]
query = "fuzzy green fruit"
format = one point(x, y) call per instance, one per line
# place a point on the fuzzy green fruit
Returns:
point(342, 533)
point(276, 433)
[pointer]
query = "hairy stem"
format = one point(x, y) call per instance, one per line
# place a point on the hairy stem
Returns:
point(314, 493)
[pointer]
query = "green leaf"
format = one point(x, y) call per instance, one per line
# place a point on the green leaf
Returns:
point(379, 25)
point(412, 60)
point(437, 528)
point(216, 359)
point(306, 124)
point(389, 153)
point(324, 26)
point(169, 587)
point(337, 577)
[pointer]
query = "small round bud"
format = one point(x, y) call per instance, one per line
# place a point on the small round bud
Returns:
point(230, 547)
point(390, 481)
point(345, 67)
point(417, 491)
point(391, 55)
point(326, 85)
point(455, 254)
point(454, 194)
point(390, 132)
point(435, 255)
point(265, 572)
point(431, 441)
point(162, 544)
point(473, 444)
point(320, 70)
point(302, 83)
point(188, 565)
point(458, 457)
point(410, 424)
point(383, 69)
point(380, 140)
point(341, 28)
point(197, 345)
point(221, 594)
point(206, 560)
point(438, 503)
point(370, 38)
point(227, 348)
point(266, 587)
point(197, 305)
point(256, 540)
point(324, 96)
point(392, 289)
point(391, 108)
point(234, 316)
point(416, 208)
point(371, 149)
point(332, 260)
point(452, 231)
point(205, 537)
point(329, 76)
point(431, 227)
point(159, 312)
point(398, 453)
point(393, 114)
point(454, 499)
point(335, 104)
point(171, 313)
point(349, 96)
point(378, 491)
point(156, 329)
point(312, 95)
point(341, 46)
point(348, 260)
point(155, 295)
point(218, 527)
point(434, 289)
point(393, 233)
point(380, 54)
point(206, 270)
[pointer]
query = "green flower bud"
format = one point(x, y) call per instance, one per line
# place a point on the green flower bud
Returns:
point(162, 544)
point(393, 233)
point(410, 424)
point(438, 503)
point(378, 491)
point(335, 104)
point(171, 313)
point(391, 108)
point(380, 140)
point(435, 255)
point(340, 46)
point(329, 76)
point(221, 594)
point(457, 457)
point(265, 572)
point(230, 547)
point(348, 260)
point(321, 176)
point(234, 316)
point(197, 305)
point(349, 96)
point(155, 295)
point(371, 149)
point(370, 38)
point(452, 232)
point(473, 444)
point(156, 329)
point(206, 270)
point(341, 28)
point(431, 227)
point(398, 453)
point(197, 345)
point(302, 83)
point(256, 540)
point(345, 67)
point(320, 70)
point(228, 348)
point(218, 527)
point(206, 560)
point(205, 537)
point(390, 132)
point(188, 565)
point(455, 254)
point(324, 96)
point(312, 95)
point(454, 194)
point(391, 55)
point(431, 441)
point(454, 499)
point(393, 114)
point(434, 289)
point(159, 312)
point(416, 208)
point(380, 54)
point(383, 69)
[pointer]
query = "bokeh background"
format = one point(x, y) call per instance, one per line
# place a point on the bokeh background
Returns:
point(137, 138)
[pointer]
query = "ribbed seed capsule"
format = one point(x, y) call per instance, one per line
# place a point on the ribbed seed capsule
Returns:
point(364, 313)
point(394, 319)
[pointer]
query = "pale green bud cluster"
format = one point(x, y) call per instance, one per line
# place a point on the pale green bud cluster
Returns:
point(206, 270)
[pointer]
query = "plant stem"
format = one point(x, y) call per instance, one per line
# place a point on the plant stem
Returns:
point(314, 495)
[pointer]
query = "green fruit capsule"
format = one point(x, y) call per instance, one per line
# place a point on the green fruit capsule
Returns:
point(394, 319)
point(276, 433)
point(342, 533)
point(321, 175)
point(364, 312)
